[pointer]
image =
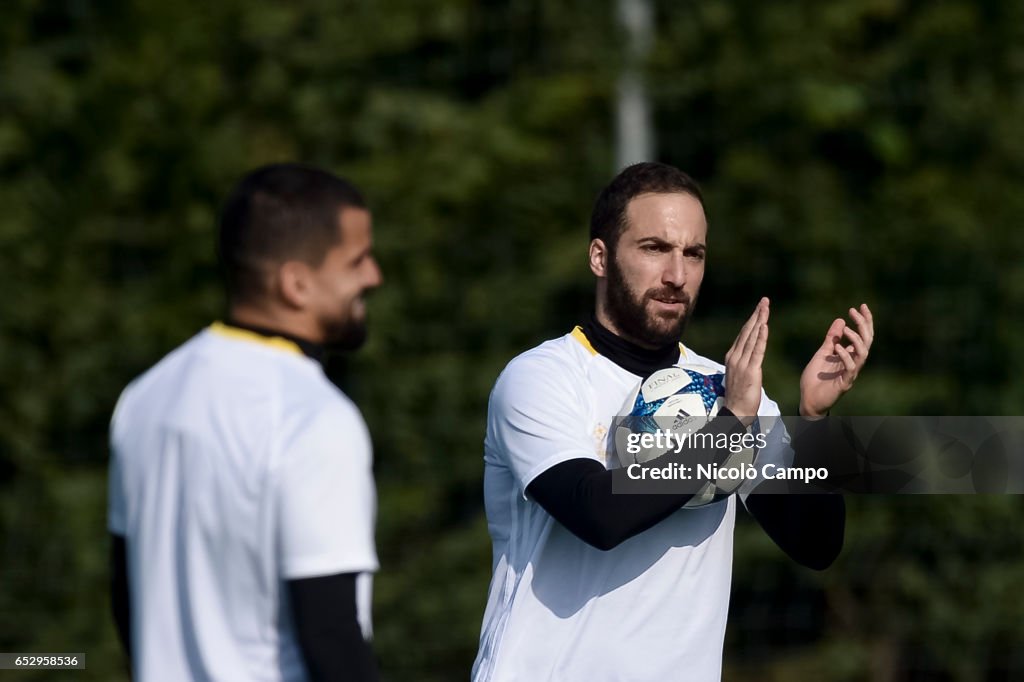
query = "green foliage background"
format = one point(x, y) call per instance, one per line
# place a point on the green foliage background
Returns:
point(855, 150)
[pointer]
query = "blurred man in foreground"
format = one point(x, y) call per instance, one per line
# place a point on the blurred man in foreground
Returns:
point(591, 585)
point(242, 502)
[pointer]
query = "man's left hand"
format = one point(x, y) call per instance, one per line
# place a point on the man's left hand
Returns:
point(837, 363)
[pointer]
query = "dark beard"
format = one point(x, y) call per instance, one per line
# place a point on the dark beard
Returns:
point(342, 337)
point(628, 313)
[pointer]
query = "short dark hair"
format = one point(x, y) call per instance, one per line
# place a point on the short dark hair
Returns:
point(608, 219)
point(280, 212)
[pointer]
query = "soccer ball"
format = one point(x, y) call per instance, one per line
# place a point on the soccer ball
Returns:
point(679, 399)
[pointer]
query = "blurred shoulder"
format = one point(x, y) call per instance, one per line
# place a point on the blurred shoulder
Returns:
point(168, 367)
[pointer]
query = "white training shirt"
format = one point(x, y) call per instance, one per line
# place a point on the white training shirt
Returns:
point(654, 607)
point(235, 466)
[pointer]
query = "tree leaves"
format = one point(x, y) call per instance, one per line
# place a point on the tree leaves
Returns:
point(859, 150)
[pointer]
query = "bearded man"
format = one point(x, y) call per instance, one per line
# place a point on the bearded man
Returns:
point(589, 584)
point(242, 502)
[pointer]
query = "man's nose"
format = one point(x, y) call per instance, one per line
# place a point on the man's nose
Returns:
point(674, 273)
point(376, 277)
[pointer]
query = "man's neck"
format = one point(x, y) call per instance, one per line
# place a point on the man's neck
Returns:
point(283, 321)
point(602, 318)
point(266, 325)
point(626, 353)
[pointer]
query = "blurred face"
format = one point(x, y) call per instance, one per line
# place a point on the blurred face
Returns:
point(654, 275)
point(347, 272)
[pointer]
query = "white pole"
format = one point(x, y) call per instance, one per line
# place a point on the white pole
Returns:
point(634, 128)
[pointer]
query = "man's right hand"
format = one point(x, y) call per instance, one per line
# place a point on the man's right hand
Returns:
point(743, 366)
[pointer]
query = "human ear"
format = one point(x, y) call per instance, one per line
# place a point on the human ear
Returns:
point(598, 257)
point(294, 283)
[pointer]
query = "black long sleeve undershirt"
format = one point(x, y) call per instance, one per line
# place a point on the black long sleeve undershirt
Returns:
point(324, 612)
point(809, 528)
point(578, 493)
point(119, 600)
point(332, 643)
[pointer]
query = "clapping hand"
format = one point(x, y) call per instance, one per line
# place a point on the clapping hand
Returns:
point(837, 363)
point(743, 373)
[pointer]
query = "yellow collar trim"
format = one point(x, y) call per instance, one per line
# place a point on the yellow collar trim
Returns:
point(225, 330)
point(577, 333)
